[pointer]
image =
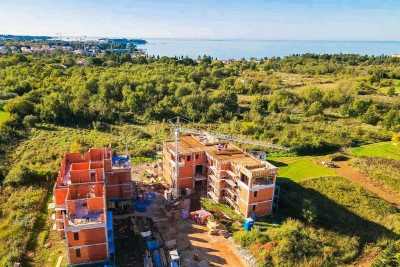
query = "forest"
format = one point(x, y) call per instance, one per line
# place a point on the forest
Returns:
point(314, 104)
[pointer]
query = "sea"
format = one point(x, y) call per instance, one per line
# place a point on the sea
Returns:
point(238, 49)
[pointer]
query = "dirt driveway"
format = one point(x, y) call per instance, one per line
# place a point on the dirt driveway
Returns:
point(368, 183)
point(193, 239)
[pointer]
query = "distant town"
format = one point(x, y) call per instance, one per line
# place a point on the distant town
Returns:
point(81, 46)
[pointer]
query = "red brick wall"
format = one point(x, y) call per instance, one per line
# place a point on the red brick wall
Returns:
point(91, 253)
point(262, 195)
point(186, 183)
point(60, 195)
point(261, 209)
point(187, 171)
point(95, 204)
point(114, 191)
point(87, 237)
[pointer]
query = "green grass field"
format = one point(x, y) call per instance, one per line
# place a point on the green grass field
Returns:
point(300, 168)
point(3, 116)
point(383, 150)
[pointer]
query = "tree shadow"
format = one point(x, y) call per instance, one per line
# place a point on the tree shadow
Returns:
point(330, 215)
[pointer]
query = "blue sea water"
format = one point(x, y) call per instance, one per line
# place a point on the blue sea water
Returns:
point(227, 49)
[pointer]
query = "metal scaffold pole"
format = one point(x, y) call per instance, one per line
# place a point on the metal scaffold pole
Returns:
point(176, 176)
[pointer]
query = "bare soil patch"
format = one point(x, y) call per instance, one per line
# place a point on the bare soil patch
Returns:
point(367, 182)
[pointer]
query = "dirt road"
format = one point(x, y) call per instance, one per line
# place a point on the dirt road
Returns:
point(194, 239)
point(368, 183)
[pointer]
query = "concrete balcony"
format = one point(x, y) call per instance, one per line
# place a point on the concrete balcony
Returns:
point(213, 185)
point(213, 196)
point(214, 170)
point(262, 182)
point(231, 202)
point(255, 173)
point(232, 191)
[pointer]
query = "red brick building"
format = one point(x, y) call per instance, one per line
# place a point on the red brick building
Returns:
point(230, 175)
point(83, 187)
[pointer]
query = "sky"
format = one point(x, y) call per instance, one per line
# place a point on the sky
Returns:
point(219, 19)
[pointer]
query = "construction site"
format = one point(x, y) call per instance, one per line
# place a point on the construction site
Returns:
point(112, 213)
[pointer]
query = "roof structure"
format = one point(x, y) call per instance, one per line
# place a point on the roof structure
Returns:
point(191, 144)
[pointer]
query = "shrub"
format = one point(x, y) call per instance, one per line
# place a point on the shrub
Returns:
point(391, 91)
point(371, 116)
point(23, 175)
point(30, 121)
point(309, 210)
point(315, 108)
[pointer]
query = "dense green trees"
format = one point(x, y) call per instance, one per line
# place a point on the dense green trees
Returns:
point(118, 88)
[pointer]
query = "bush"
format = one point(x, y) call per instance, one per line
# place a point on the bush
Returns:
point(371, 116)
point(23, 175)
point(315, 108)
point(30, 121)
point(391, 92)
point(20, 106)
point(309, 210)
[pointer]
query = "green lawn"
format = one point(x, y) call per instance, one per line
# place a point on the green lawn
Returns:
point(383, 150)
point(300, 168)
point(3, 116)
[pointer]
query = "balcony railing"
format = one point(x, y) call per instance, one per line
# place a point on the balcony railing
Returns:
point(231, 191)
point(231, 202)
point(254, 173)
point(262, 182)
point(213, 196)
point(214, 185)
point(214, 170)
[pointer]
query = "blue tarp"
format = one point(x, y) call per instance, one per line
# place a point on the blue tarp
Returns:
point(152, 245)
point(110, 232)
point(124, 158)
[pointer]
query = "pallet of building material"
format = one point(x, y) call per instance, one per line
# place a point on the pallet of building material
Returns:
point(224, 233)
point(213, 231)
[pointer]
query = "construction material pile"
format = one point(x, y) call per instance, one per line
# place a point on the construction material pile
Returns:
point(215, 227)
point(200, 216)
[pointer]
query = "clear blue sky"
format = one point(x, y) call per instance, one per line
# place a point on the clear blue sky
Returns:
point(245, 19)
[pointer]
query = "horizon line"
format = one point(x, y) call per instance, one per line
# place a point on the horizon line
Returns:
point(205, 38)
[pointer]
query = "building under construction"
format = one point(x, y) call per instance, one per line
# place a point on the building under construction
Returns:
point(227, 173)
point(85, 186)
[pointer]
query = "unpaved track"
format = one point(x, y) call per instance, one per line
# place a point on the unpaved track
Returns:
point(368, 183)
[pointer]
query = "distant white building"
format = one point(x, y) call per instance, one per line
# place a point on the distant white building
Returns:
point(26, 50)
point(83, 62)
point(36, 48)
point(14, 49)
point(396, 55)
point(3, 49)
point(261, 155)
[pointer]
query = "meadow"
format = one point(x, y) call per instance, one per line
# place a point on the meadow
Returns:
point(387, 150)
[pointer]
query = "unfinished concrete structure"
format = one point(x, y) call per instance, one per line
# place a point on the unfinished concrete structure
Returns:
point(84, 187)
point(229, 174)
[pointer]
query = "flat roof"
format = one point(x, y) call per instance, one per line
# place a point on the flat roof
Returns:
point(190, 144)
point(187, 144)
point(234, 155)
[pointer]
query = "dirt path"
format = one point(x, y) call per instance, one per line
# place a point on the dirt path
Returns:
point(215, 248)
point(368, 183)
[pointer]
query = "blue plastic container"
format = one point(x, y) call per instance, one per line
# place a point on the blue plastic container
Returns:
point(248, 224)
